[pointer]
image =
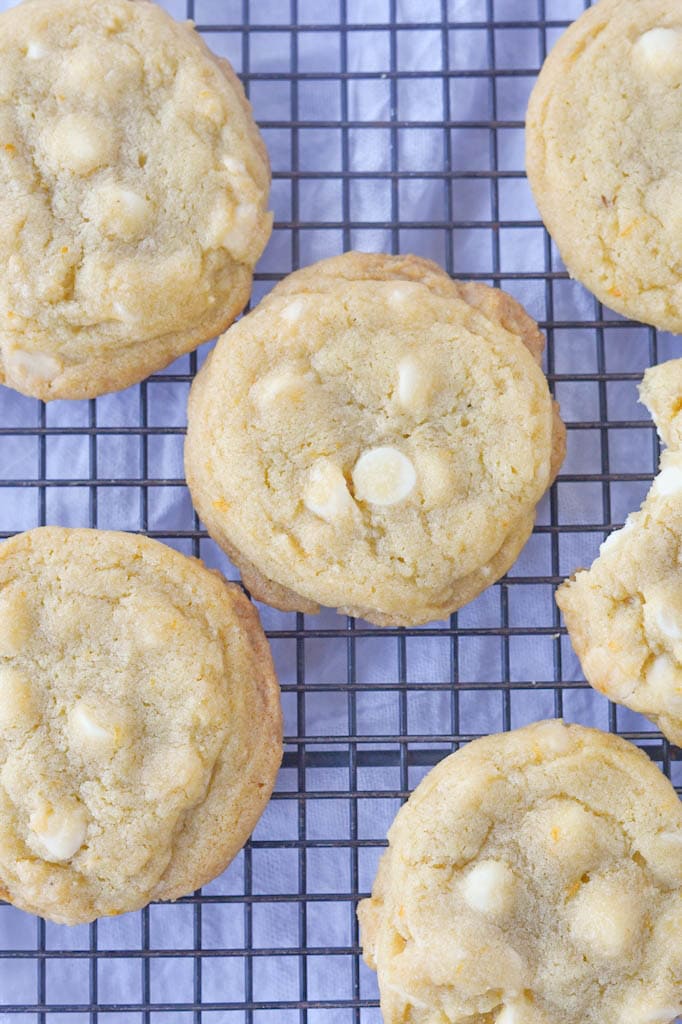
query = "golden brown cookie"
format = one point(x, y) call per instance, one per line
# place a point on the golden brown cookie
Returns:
point(603, 155)
point(140, 723)
point(624, 614)
point(133, 195)
point(374, 437)
point(533, 877)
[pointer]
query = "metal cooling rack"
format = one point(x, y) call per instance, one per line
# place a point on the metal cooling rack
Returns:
point(392, 125)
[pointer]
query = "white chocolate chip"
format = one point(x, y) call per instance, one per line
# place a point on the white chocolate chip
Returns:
point(208, 105)
point(219, 224)
point(61, 831)
point(668, 481)
point(414, 384)
point(518, 1012)
point(643, 1011)
point(32, 365)
point(236, 167)
point(669, 623)
point(383, 476)
point(86, 727)
point(326, 493)
point(16, 622)
point(17, 704)
point(402, 292)
point(554, 737)
point(605, 919)
point(490, 887)
point(77, 143)
point(612, 542)
point(285, 385)
point(292, 311)
point(232, 228)
point(35, 50)
point(83, 69)
point(664, 678)
point(660, 51)
point(436, 476)
point(188, 773)
point(663, 853)
point(119, 212)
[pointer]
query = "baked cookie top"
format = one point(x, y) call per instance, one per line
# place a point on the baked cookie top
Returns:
point(624, 615)
point(533, 877)
point(374, 437)
point(603, 155)
point(133, 194)
point(140, 724)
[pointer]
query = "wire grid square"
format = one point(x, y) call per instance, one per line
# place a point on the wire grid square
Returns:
point(395, 125)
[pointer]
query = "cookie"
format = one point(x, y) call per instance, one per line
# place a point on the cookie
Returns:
point(140, 723)
point(133, 195)
point(603, 155)
point(374, 437)
point(533, 877)
point(624, 614)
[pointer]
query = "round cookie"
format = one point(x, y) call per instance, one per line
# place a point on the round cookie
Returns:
point(374, 437)
point(534, 877)
point(603, 155)
point(140, 723)
point(624, 614)
point(133, 195)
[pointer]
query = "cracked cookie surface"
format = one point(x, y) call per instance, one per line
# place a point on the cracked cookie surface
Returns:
point(624, 614)
point(603, 155)
point(534, 877)
point(374, 437)
point(140, 723)
point(133, 194)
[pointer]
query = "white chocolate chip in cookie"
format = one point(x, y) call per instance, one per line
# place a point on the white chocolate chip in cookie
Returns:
point(402, 292)
point(326, 493)
point(189, 773)
point(659, 51)
point(61, 831)
point(615, 539)
point(22, 364)
point(16, 622)
point(282, 386)
point(490, 888)
point(119, 212)
point(668, 481)
point(17, 702)
point(79, 144)
point(292, 311)
point(520, 1011)
point(669, 622)
point(605, 918)
point(88, 729)
point(414, 384)
point(663, 854)
point(35, 50)
point(664, 678)
point(563, 836)
point(436, 476)
point(647, 1013)
point(232, 227)
point(383, 476)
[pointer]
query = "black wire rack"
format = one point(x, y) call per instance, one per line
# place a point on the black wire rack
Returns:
point(368, 711)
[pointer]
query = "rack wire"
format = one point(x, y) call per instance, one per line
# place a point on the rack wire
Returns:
point(393, 125)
